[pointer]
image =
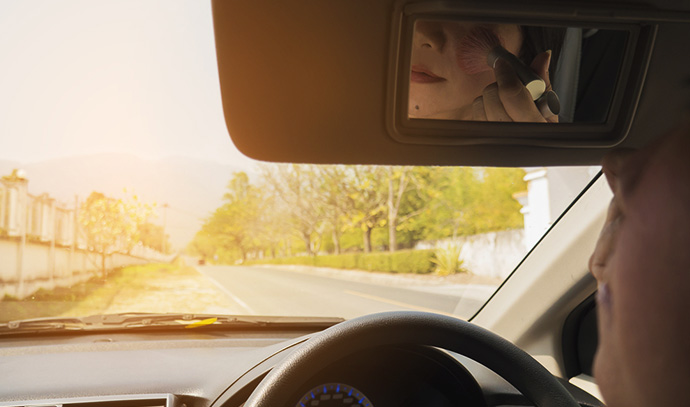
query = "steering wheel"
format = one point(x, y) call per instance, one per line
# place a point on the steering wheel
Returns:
point(404, 328)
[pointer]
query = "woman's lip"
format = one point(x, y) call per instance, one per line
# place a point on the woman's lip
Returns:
point(421, 74)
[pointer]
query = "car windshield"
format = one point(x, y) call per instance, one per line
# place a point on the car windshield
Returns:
point(122, 192)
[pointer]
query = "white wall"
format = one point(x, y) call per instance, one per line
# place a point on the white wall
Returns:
point(46, 267)
point(493, 254)
point(549, 192)
point(54, 253)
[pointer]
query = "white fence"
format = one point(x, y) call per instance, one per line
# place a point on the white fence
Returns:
point(493, 254)
point(46, 266)
point(43, 246)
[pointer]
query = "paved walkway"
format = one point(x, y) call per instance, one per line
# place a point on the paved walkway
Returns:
point(185, 290)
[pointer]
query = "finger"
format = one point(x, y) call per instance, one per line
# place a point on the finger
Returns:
point(495, 112)
point(478, 111)
point(540, 65)
point(513, 95)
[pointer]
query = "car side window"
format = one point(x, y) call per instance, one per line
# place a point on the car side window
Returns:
point(580, 338)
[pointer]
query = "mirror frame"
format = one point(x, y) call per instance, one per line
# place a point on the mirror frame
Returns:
point(631, 77)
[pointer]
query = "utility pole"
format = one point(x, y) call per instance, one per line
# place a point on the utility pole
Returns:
point(53, 218)
point(165, 207)
point(75, 231)
point(19, 179)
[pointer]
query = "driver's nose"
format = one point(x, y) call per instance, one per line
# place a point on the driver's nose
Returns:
point(429, 34)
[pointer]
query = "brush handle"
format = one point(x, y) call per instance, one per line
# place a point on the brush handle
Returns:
point(534, 84)
point(548, 104)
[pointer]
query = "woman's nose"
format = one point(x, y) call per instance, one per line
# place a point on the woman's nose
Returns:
point(429, 34)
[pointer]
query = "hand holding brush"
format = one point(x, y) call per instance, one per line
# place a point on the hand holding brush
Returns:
point(519, 93)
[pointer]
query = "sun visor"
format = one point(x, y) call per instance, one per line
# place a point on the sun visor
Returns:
point(447, 83)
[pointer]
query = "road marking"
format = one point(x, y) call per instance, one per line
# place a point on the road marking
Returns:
point(397, 303)
point(232, 296)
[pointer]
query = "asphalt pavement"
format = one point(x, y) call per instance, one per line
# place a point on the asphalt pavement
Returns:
point(304, 292)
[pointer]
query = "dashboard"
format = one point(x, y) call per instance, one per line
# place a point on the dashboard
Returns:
point(221, 369)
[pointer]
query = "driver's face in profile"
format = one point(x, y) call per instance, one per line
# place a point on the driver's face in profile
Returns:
point(642, 265)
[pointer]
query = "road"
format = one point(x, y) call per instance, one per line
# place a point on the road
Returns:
point(274, 291)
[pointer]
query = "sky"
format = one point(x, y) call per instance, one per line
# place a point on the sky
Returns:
point(124, 76)
point(84, 77)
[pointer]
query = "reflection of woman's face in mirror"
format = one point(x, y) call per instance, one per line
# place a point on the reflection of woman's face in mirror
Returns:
point(439, 87)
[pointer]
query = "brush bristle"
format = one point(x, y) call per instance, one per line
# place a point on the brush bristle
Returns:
point(473, 49)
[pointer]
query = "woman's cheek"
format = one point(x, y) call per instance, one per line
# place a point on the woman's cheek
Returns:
point(470, 87)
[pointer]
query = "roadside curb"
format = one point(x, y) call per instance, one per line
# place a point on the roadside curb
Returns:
point(373, 277)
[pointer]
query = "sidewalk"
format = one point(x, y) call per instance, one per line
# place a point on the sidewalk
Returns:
point(187, 291)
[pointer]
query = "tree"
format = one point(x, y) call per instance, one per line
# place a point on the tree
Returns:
point(295, 185)
point(276, 231)
point(333, 192)
point(455, 197)
point(294, 203)
point(203, 245)
point(154, 237)
point(408, 196)
point(237, 223)
point(368, 197)
point(468, 201)
point(498, 210)
point(112, 224)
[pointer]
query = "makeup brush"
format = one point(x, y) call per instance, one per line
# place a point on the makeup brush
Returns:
point(482, 47)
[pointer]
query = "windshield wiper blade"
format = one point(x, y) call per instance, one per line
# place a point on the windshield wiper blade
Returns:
point(132, 320)
point(41, 324)
point(136, 319)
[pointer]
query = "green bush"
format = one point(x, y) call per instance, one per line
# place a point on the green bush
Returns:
point(413, 261)
point(447, 259)
point(344, 261)
point(403, 261)
point(376, 262)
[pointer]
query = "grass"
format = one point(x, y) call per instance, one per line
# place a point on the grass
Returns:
point(90, 297)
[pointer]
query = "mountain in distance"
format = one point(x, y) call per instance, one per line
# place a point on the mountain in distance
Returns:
point(192, 188)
